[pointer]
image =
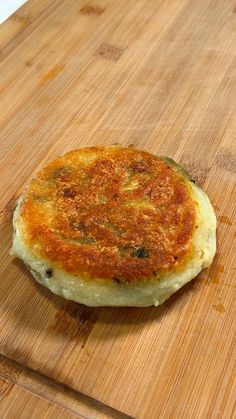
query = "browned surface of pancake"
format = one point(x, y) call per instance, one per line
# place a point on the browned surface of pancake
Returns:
point(110, 213)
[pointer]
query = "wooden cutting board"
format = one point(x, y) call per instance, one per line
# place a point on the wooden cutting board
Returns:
point(154, 74)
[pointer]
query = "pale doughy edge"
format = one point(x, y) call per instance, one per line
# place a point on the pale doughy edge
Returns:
point(97, 293)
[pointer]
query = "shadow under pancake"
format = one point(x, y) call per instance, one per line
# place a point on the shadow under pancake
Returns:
point(63, 317)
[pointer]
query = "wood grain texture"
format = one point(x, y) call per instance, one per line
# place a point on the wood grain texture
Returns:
point(19, 403)
point(22, 391)
point(154, 74)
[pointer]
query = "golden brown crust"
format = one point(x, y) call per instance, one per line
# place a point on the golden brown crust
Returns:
point(110, 213)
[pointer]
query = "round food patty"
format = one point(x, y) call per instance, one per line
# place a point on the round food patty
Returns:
point(114, 226)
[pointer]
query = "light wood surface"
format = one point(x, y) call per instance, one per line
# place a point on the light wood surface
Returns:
point(28, 394)
point(19, 403)
point(158, 75)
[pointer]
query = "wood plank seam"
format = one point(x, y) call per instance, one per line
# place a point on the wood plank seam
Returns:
point(59, 387)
